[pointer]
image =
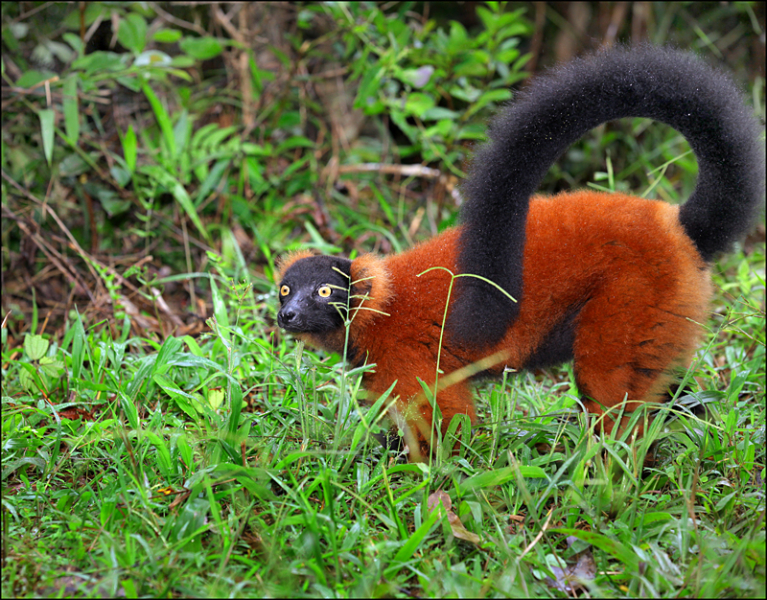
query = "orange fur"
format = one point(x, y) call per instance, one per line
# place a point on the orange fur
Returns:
point(285, 262)
point(637, 279)
point(617, 284)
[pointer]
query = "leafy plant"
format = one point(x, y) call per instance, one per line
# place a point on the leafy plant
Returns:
point(161, 436)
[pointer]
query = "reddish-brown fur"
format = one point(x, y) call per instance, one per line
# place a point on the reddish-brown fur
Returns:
point(618, 284)
point(619, 269)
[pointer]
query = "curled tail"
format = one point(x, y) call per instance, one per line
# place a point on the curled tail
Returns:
point(558, 108)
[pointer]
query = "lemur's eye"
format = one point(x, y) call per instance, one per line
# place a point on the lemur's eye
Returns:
point(284, 290)
point(324, 291)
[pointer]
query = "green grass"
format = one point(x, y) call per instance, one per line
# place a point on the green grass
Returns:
point(232, 461)
point(241, 463)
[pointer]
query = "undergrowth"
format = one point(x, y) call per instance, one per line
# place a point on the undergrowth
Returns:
point(237, 463)
point(161, 437)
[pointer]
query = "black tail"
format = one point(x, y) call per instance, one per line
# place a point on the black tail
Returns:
point(556, 110)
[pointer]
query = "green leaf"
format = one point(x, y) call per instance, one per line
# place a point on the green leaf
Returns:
point(202, 48)
point(131, 32)
point(623, 553)
point(188, 403)
point(168, 354)
point(28, 378)
point(183, 62)
point(78, 346)
point(11, 34)
point(401, 121)
point(467, 93)
point(368, 90)
point(181, 131)
point(35, 461)
point(655, 517)
point(51, 367)
point(472, 132)
point(436, 113)
point(32, 78)
point(364, 426)
point(163, 120)
point(163, 454)
point(215, 398)
point(130, 148)
point(249, 477)
point(236, 408)
point(35, 346)
point(405, 553)
point(513, 30)
point(507, 56)
point(167, 36)
point(487, 98)
point(297, 141)
point(178, 192)
point(110, 200)
point(185, 450)
point(212, 180)
point(459, 39)
point(500, 476)
point(47, 129)
point(299, 164)
point(190, 524)
point(473, 66)
point(441, 129)
point(489, 19)
point(70, 108)
point(100, 61)
point(418, 103)
point(122, 177)
point(219, 306)
point(192, 344)
point(209, 138)
point(129, 408)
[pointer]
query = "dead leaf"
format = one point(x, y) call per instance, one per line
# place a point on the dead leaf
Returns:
point(434, 499)
point(571, 579)
point(73, 413)
point(456, 526)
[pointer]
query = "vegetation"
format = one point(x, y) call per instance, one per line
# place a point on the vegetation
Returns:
point(162, 437)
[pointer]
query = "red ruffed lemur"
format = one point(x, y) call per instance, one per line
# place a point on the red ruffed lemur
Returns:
point(618, 284)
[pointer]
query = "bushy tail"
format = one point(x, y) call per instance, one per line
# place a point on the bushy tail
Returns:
point(556, 110)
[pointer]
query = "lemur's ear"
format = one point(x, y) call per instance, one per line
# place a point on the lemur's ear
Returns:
point(371, 288)
point(285, 262)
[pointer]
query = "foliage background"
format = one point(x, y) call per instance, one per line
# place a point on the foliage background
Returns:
point(160, 436)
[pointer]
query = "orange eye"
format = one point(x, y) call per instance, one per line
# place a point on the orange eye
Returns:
point(325, 291)
point(284, 290)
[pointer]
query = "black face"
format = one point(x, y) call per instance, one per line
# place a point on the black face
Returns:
point(314, 295)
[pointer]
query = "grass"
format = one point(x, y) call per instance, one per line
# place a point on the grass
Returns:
point(230, 460)
point(239, 463)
